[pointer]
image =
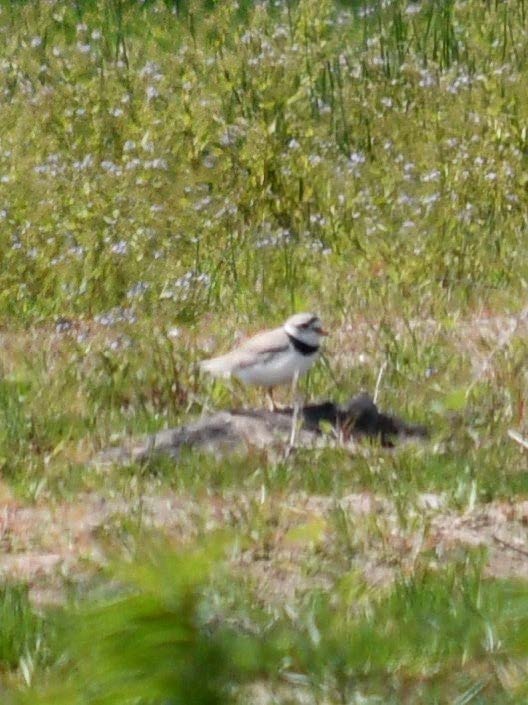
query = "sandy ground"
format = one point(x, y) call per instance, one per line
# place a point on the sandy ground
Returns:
point(295, 551)
point(48, 546)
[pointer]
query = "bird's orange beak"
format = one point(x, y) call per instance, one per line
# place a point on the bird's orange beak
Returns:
point(322, 331)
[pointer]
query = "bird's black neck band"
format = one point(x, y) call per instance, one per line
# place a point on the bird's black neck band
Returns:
point(301, 347)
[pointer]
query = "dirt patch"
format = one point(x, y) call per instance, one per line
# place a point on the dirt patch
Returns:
point(500, 527)
point(291, 543)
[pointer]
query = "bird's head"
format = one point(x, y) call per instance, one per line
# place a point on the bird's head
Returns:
point(306, 327)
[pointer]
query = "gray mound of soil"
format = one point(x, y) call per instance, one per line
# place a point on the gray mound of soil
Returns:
point(232, 431)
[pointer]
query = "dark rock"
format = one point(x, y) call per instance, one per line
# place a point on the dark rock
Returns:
point(234, 431)
point(358, 417)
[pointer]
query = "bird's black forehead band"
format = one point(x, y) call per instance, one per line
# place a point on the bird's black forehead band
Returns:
point(312, 320)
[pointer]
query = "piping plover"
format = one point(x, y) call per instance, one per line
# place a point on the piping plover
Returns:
point(272, 357)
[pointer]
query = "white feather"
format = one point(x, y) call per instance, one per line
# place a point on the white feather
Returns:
point(270, 358)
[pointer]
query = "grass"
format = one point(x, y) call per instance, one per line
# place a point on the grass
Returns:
point(27, 639)
point(176, 620)
point(176, 174)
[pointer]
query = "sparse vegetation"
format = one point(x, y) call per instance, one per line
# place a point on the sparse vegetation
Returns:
point(175, 174)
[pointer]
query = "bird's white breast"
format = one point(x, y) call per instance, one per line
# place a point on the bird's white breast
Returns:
point(278, 368)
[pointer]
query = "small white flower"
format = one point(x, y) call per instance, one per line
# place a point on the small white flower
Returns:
point(77, 251)
point(357, 158)
point(150, 69)
point(431, 176)
point(85, 163)
point(405, 200)
point(365, 12)
point(152, 92)
point(427, 79)
point(429, 200)
point(202, 203)
point(413, 9)
point(226, 139)
point(137, 290)
point(158, 163)
point(116, 315)
point(119, 248)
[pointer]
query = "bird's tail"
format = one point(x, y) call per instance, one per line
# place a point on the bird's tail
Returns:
point(216, 366)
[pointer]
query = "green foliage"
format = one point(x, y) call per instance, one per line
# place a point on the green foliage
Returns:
point(435, 636)
point(151, 641)
point(173, 631)
point(26, 638)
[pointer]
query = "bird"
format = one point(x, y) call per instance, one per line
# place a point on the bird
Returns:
point(272, 357)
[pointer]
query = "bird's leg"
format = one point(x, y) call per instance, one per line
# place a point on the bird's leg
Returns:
point(296, 409)
point(269, 396)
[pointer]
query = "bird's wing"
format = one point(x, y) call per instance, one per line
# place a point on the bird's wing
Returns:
point(252, 351)
point(270, 341)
